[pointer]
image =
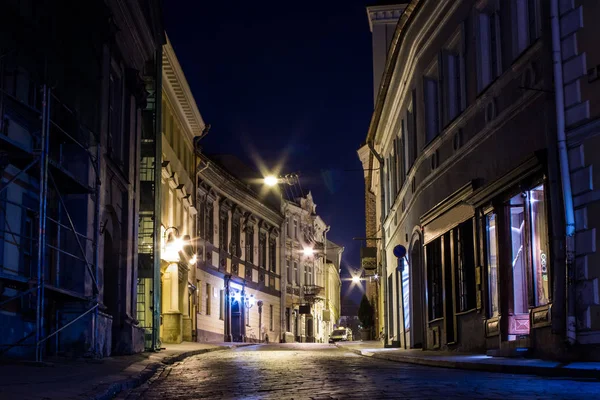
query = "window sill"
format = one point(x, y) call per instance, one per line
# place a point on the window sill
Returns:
point(433, 321)
point(466, 312)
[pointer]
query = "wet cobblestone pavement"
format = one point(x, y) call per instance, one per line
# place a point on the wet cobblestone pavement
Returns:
point(312, 371)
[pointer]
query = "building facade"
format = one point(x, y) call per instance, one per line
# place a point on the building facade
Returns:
point(238, 275)
point(181, 122)
point(332, 309)
point(466, 137)
point(307, 313)
point(71, 103)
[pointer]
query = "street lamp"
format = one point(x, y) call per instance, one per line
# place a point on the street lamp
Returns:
point(172, 245)
point(271, 180)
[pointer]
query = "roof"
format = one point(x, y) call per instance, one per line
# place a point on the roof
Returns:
point(247, 175)
point(177, 87)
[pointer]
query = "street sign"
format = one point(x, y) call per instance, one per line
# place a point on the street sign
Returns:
point(399, 251)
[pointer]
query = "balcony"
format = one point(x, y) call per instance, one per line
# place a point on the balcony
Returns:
point(313, 292)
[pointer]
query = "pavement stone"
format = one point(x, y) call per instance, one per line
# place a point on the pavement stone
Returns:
point(320, 371)
point(62, 378)
point(475, 362)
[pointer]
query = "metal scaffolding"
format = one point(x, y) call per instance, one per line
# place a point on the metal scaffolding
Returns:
point(49, 156)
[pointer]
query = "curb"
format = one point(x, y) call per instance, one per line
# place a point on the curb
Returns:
point(110, 390)
point(554, 372)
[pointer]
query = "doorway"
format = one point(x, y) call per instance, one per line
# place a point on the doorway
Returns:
point(415, 285)
point(236, 321)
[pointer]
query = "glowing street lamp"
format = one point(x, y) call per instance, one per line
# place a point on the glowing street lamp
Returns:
point(271, 180)
point(172, 246)
point(356, 279)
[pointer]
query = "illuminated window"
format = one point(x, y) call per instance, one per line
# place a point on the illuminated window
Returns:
point(492, 263)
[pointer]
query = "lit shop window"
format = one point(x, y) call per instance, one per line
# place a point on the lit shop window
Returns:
point(529, 244)
point(492, 263)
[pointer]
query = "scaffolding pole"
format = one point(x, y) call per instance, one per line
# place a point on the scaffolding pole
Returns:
point(41, 267)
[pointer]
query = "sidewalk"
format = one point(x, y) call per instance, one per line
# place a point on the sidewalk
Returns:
point(61, 378)
point(476, 362)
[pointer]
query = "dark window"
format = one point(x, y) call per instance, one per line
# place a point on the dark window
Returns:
point(250, 244)
point(223, 224)
point(434, 278)
point(201, 219)
point(464, 259)
point(235, 236)
point(262, 249)
point(209, 221)
point(273, 255)
point(115, 117)
point(271, 317)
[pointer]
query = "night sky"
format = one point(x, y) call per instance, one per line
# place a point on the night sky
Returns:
point(286, 82)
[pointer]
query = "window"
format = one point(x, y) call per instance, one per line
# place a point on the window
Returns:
point(524, 24)
point(453, 90)
point(202, 219)
point(296, 273)
point(250, 244)
point(400, 160)
point(223, 225)
point(295, 229)
point(171, 208)
point(262, 249)
point(529, 245)
point(273, 255)
point(492, 263)
point(465, 266)
point(288, 321)
point(270, 317)
point(198, 298)
point(488, 46)
point(222, 304)
point(394, 173)
point(235, 236)
point(184, 225)
point(432, 109)
point(209, 221)
point(411, 117)
point(115, 116)
point(288, 265)
point(433, 253)
point(208, 298)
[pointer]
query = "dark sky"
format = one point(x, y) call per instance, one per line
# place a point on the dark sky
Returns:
point(288, 82)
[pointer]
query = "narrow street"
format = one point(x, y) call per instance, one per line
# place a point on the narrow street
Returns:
point(320, 371)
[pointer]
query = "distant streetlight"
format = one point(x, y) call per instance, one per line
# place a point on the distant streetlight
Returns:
point(356, 279)
point(271, 180)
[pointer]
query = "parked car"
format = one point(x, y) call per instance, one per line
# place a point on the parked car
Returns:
point(340, 335)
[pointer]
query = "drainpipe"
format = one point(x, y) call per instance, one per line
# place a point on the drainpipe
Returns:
point(383, 255)
point(571, 332)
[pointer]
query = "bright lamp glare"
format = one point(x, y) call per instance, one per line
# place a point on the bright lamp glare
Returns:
point(271, 180)
point(356, 279)
point(308, 251)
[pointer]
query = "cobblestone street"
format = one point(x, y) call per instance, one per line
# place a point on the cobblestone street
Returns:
point(312, 371)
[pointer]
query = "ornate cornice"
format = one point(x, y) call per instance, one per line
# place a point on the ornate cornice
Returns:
point(135, 37)
point(384, 14)
point(237, 192)
point(179, 93)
